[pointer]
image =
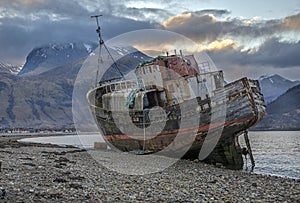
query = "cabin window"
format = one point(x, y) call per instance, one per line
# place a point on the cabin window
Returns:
point(150, 69)
point(144, 70)
point(157, 68)
point(218, 82)
point(171, 88)
point(145, 101)
point(188, 62)
point(118, 86)
point(163, 99)
point(123, 85)
point(112, 87)
point(152, 99)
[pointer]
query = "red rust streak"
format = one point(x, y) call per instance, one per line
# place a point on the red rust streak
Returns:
point(180, 132)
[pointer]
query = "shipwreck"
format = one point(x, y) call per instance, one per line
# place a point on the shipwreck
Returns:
point(174, 94)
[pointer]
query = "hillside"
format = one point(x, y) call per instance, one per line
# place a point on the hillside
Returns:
point(40, 96)
point(283, 113)
point(35, 103)
point(44, 99)
point(272, 86)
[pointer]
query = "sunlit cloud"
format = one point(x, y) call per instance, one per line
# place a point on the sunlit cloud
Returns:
point(24, 2)
point(251, 21)
point(188, 19)
point(248, 35)
point(220, 44)
point(233, 41)
point(292, 22)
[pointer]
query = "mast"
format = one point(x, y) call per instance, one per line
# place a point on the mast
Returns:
point(102, 44)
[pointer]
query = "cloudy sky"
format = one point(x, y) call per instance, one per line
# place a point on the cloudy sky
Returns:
point(244, 38)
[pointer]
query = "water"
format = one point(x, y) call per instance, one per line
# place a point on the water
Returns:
point(275, 152)
point(82, 141)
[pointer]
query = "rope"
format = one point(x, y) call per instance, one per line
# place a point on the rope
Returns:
point(101, 43)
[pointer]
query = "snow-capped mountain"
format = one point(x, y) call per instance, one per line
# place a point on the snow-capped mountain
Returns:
point(127, 58)
point(8, 68)
point(274, 85)
point(45, 95)
point(50, 56)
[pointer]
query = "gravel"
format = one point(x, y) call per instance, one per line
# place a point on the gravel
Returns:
point(38, 173)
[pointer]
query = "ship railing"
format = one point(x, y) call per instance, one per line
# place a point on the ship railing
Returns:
point(211, 73)
point(124, 85)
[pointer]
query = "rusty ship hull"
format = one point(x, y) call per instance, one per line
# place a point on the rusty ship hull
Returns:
point(244, 105)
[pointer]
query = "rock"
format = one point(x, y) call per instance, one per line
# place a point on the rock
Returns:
point(75, 186)
point(88, 180)
point(62, 159)
point(29, 164)
point(2, 192)
point(213, 181)
point(60, 180)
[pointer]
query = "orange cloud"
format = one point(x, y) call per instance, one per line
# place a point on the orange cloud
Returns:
point(219, 45)
point(26, 2)
point(187, 18)
point(186, 46)
point(292, 22)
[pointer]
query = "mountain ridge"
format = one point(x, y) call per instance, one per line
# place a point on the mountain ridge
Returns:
point(49, 56)
point(9, 68)
point(44, 99)
point(283, 113)
point(274, 85)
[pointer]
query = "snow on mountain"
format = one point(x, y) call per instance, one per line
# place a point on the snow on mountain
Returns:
point(8, 68)
point(273, 85)
point(88, 47)
point(50, 56)
point(123, 51)
point(45, 99)
point(127, 58)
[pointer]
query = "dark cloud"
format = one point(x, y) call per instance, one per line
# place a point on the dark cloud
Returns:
point(199, 27)
point(276, 54)
point(40, 22)
point(203, 27)
point(25, 24)
point(215, 12)
point(146, 14)
point(271, 53)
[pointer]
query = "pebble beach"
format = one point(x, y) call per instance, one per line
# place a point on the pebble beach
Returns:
point(49, 173)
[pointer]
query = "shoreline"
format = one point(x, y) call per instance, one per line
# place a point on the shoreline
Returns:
point(39, 172)
point(11, 140)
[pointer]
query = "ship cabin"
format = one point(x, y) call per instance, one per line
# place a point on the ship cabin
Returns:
point(163, 81)
point(180, 77)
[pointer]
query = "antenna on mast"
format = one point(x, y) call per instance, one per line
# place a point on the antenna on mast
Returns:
point(101, 43)
point(98, 28)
